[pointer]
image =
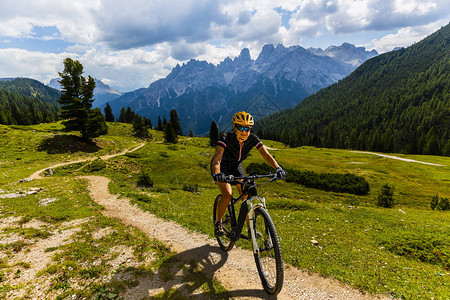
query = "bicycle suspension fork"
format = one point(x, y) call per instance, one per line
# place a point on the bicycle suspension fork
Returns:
point(251, 217)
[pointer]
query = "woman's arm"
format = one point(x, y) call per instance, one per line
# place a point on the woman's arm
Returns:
point(268, 158)
point(217, 158)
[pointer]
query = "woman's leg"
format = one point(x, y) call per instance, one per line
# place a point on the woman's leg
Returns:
point(239, 187)
point(227, 193)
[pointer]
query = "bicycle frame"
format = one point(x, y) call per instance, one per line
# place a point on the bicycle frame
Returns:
point(265, 241)
point(247, 207)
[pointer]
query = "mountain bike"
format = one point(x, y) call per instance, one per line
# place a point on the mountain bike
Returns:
point(262, 232)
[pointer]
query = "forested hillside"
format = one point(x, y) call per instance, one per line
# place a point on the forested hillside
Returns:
point(26, 101)
point(395, 102)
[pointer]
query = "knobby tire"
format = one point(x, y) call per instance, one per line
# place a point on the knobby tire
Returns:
point(268, 259)
point(224, 240)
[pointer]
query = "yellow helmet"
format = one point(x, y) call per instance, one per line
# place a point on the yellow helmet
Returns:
point(243, 118)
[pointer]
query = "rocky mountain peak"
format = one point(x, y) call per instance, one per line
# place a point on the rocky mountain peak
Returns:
point(266, 52)
point(346, 53)
point(244, 56)
point(279, 78)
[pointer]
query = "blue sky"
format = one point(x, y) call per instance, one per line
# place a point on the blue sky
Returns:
point(129, 44)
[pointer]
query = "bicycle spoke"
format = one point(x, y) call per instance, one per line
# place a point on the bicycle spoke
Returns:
point(268, 259)
point(224, 241)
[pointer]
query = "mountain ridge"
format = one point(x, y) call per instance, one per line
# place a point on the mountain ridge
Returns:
point(202, 92)
point(26, 101)
point(396, 102)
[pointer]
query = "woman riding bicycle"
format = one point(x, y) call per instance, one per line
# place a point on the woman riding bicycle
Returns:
point(232, 148)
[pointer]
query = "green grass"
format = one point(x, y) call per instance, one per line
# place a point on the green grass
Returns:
point(402, 251)
point(26, 149)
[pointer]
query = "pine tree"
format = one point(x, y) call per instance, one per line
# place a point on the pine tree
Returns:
point(96, 124)
point(175, 121)
point(213, 134)
point(431, 145)
point(170, 135)
point(129, 115)
point(3, 118)
point(76, 100)
point(139, 128)
point(121, 118)
point(159, 126)
point(148, 123)
point(109, 117)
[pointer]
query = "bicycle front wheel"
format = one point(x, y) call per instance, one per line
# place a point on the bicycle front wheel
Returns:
point(224, 241)
point(268, 257)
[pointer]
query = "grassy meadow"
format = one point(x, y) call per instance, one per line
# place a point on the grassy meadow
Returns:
point(403, 252)
point(60, 229)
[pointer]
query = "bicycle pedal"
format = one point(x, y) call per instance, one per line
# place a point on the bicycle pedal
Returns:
point(243, 236)
point(249, 237)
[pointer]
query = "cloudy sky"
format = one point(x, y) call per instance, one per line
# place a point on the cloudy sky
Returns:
point(129, 44)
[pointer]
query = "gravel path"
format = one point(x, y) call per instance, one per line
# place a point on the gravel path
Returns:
point(400, 158)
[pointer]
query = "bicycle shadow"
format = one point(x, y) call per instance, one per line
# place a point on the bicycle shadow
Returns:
point(190, 274)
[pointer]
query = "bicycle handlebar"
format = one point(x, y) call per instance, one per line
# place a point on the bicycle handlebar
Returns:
point(233, 179)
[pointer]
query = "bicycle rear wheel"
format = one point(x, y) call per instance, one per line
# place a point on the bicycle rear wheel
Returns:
point(268, 258)
point(224, 241)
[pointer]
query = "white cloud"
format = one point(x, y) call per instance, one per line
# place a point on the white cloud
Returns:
point(15, 28)
point(73, 19)
point(411, 7)
point(78, 48)
point(310, 19)
point(349, 16)
point(216, 54)
point(128, 69)
point(263, 26)
point(37, 65)
point(132, 43)
point(135, 23)
point(405, 37)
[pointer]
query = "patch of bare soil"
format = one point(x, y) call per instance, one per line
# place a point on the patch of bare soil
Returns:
point(33, 256)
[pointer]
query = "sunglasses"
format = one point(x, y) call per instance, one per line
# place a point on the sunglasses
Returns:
point(242, 128)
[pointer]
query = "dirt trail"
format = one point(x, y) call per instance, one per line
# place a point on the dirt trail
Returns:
point(235, 270)
point(400, 158)
point(37, 174)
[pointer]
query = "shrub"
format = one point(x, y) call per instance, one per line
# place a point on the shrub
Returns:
point(144, 179)
point(386, 196)
point(443, 204)
point(434, 202)
point(439, 203)
point(259, 168)
point(96, 165)
point(340, 183)
point(190, 188)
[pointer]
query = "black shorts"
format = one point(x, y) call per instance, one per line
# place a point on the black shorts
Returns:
point(230, 169)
